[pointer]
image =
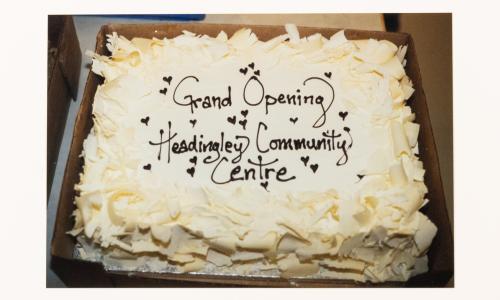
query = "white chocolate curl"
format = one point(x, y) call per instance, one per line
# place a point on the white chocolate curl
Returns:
point(399, 139)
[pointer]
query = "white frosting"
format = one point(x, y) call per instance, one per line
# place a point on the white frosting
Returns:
point(365, 227)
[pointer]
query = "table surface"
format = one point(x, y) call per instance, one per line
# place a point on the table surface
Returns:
point(87, 28)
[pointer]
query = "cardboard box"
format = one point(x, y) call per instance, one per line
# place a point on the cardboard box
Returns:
point(63, 72)
point(440, 253)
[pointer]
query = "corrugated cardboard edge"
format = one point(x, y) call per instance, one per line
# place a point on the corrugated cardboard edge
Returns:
point(442, 264)
point(61, 87)
point(441, 252)
point(70, 62)
point(61, 245)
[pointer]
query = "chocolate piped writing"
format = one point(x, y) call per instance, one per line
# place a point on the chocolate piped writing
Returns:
point(226, 152)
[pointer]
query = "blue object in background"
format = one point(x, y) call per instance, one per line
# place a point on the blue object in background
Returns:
point(173, 17)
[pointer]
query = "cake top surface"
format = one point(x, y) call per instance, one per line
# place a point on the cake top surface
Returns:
point(286, 116)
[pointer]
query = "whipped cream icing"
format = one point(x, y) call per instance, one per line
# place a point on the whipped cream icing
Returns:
point(294, 154)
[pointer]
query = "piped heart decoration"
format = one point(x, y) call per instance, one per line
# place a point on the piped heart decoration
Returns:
point(257, 72)
point(145, 120)
point(244, 71)
point(343, 114)
point(252, 65)
point(314, 167)
point(243, 123)
point(163, 91)
point(147, 167)
point(167, 79)
point(232, 120)
point(360, 176)
point(244, 113)
point(193, 160)
point(264, 184)
point(328, 74)
point(193, 122)
point(190, 171)
point(304, 159)
point(294, 120)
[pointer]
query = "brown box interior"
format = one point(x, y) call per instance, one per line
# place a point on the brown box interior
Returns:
point(440, 253)
point(64, 60)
